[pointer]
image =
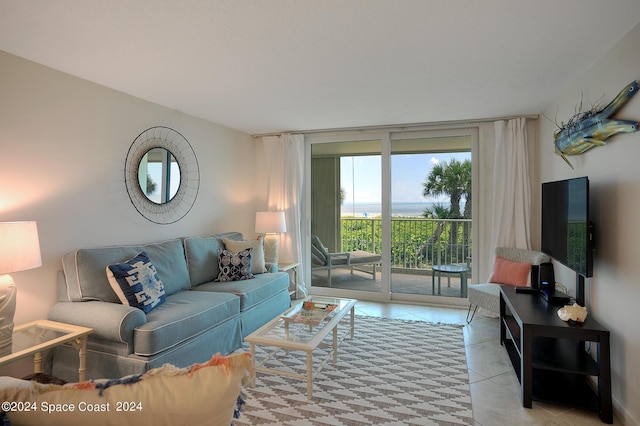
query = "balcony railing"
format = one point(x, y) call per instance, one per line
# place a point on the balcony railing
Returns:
point(416, 244)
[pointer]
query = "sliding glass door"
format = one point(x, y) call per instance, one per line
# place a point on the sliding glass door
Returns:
point(346, 216)
point(430, 247)
point(390, 214)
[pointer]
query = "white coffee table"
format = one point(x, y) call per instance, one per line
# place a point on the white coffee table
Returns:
point(300, 330)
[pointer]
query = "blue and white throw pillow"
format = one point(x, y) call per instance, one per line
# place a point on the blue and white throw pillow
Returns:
point(234, 267)
point(136, 283)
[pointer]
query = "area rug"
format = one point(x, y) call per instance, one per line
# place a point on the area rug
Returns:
point(393, 372)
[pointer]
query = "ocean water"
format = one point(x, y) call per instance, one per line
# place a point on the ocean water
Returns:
point(375, 209)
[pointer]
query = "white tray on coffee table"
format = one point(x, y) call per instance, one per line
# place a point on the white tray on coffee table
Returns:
point(289, 331)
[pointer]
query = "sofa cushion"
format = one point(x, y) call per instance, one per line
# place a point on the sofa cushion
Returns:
point(168, 258)
point(84, 269)
point(181, 317)
point(136, 283)
point(250, 292)
point(84, 272)
point(356, 257)
point(235, 266)
point(202, 256)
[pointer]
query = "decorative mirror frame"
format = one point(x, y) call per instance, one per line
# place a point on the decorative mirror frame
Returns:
point(171, 140)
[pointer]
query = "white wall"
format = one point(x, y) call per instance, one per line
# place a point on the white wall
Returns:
point(63, 147)
point(614, 173)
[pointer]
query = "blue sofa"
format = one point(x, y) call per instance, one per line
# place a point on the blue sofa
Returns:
point(199, 318)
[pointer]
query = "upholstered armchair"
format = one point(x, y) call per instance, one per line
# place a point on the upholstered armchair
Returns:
point(512, 266)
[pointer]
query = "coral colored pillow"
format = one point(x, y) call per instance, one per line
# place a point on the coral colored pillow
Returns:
point(510, 272)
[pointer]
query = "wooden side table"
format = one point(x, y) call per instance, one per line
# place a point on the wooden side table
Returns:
point(34, 337)
point(292, 269)
point(549, 355)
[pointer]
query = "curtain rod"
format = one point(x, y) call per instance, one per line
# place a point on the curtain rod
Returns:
point(398, 126)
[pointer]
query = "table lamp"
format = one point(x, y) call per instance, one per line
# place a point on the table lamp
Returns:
point(270, 223)
point(19, 251)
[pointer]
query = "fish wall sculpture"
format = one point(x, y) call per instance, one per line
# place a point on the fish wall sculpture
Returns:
point(586, 130)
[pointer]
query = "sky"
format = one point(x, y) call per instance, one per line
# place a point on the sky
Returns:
point(361, 180)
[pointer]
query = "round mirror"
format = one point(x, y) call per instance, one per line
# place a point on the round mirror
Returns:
point(159, 175)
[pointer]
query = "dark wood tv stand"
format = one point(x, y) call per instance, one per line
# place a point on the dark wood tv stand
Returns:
point(550, 356)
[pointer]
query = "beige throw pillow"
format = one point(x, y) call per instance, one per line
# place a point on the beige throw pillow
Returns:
point(257, 255)
point(202, 394)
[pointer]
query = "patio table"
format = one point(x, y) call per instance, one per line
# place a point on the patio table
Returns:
point(450, 269)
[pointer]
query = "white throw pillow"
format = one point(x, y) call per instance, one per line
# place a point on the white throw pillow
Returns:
point(257, 255)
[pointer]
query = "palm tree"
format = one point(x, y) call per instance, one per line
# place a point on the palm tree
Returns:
point(452, 179)
point(151, 186)
point(437, 211)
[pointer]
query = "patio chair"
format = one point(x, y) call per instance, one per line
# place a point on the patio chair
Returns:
point(321, 259)
point(512, 266)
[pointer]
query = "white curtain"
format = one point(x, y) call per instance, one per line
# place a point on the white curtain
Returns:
point(511, 186)
point(285, 171)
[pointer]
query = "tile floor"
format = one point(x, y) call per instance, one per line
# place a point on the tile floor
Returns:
point(495, 390)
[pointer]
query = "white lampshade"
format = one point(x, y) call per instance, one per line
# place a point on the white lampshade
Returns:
point(19, 246)
point(270, 222)
point(19, 251)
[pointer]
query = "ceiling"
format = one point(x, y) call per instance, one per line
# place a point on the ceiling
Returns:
point(277, 65)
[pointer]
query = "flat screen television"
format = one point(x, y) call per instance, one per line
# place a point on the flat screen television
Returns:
point(567, 232)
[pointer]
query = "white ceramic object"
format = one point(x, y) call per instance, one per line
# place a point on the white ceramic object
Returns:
point(573, 312)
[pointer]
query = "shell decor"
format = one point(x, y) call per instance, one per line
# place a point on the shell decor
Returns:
point(575, 313)
point(588, 129)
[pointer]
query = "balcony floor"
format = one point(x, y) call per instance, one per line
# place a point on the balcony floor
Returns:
point(400, 282)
